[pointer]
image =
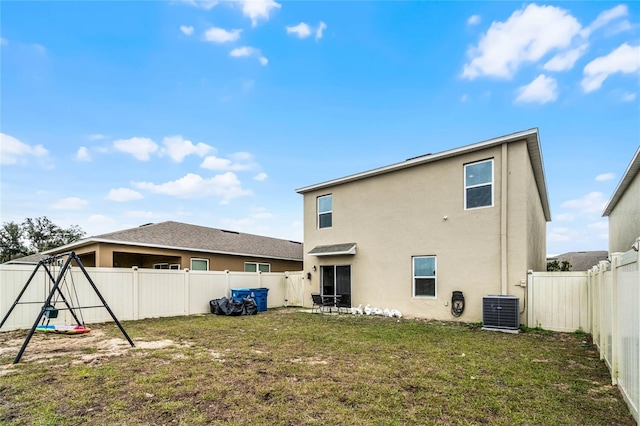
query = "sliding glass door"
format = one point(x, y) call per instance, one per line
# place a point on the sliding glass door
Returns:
point(335, 280)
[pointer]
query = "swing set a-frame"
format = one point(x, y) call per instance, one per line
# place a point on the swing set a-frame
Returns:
point(56, 282)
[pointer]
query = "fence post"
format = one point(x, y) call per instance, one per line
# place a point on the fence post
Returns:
point(187, 292)
point(136, 291)
point(602, 341)
point(227, 283)
point(615, 261)
point(530, 298)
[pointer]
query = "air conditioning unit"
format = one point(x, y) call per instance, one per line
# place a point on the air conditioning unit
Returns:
point(501, 313)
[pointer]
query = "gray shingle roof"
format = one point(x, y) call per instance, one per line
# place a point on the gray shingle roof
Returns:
point(581, 260)
point(183, 236)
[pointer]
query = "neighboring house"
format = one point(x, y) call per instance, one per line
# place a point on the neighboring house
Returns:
point(623, 209)
point(175, 245)
point(32, 259)
point(407, 235)
point(580, 260)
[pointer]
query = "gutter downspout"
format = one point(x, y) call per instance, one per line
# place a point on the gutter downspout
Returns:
point(503, 221)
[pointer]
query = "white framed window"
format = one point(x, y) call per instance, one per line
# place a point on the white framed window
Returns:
point(199, 264)
point(424, 276)
point(255, 267)
point(478, 184)
point(160, 266)
point(325, 211)
point(174, 266)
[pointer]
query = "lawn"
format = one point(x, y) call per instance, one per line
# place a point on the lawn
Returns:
point(286, 367)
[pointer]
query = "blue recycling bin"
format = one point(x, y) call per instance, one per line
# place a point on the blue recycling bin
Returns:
point(238, 294)
point(260, 296)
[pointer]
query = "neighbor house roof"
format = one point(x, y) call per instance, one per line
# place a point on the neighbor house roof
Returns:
point(32, 259)
point(183, 236)
point(581, 260)
point(533, 146)
point(629, 174)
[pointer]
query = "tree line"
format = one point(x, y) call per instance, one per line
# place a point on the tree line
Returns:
point(34, 235)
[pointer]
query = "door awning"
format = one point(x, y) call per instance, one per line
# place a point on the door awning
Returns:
point(334, 250)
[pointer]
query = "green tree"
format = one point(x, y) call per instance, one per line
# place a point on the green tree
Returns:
point(11, 242)
point(554, 266)
point(34, 236)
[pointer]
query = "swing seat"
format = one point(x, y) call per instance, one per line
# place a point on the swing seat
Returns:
point(50, 312)
point(63, 329)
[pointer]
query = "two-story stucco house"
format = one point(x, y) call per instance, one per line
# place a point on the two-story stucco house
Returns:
point(407, 235)
point(623, 209)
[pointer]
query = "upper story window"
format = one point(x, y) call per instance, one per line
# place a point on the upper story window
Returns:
point(478, 184)
point(255, 267)
point(325, 211)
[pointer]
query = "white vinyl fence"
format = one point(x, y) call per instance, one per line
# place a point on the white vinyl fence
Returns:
point(134, 293)
point(604, 301)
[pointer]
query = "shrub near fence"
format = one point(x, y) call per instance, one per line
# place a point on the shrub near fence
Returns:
point(131, 294)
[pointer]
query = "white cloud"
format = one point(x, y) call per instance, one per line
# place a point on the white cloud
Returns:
point(242, 161)
point(202, 4)
point(4, 41)
point(527, 36)
point(12, 150)
point(186, 30)
point(605, 176)
point(564, 61)
point(301, 30)
point(541, 90)
point(69, 203)
point(564, 217)
point(83, 154)
point(604, 18)
point(258, 9)
point(560, 235)
point(124, 194)
point(261, 177)
point(474, 20)
point(140, 214)
point(629, 97)
point(320, 30)
point(96, 137)
point(140, 148)
point(178, 148)
point(220, 35)
point(625, 59)
point(593, 202)
point(226, 185)
point(246, 51)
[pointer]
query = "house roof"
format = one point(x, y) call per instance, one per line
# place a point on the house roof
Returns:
point(32, 259)
point(629, 175)
point(531, 136)
point(183, 236)
point(581, 260)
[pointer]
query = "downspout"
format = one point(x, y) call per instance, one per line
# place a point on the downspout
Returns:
point(503, 221)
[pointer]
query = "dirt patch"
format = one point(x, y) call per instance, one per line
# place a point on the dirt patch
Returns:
point(91, 348)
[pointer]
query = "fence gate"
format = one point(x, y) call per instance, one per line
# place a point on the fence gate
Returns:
point(558, 301)
point(294, 289)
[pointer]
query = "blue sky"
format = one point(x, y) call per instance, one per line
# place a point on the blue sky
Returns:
point(114, 114)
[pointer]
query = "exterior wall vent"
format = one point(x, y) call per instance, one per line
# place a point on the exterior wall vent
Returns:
point(501, 313)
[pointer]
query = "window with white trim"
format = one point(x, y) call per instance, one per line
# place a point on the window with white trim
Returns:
point(255, 267)
point(325, 211)
point(199, 264)
point(160, 266)
point(424, 276)
point(478, 184)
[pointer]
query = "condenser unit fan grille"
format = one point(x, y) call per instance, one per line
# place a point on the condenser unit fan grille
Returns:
point(501, 312)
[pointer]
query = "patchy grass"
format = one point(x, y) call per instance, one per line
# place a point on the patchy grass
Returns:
point(291, 368)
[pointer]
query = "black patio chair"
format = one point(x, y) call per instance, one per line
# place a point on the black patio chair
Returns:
point(318, 304)
point(344, 302)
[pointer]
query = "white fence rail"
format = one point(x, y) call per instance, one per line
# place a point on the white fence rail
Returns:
point(134, 294)
point(604, 301)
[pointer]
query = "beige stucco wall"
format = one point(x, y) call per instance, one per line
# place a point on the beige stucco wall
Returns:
point(104, 254)
point(624, 220)
point(395, 216)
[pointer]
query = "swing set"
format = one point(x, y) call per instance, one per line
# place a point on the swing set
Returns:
point(55, 287)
